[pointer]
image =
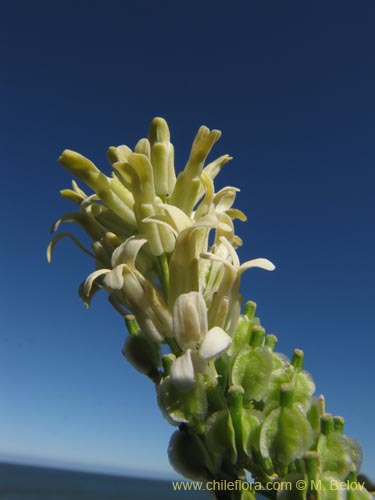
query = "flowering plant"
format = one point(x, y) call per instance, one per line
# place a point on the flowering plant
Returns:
point(164, 248)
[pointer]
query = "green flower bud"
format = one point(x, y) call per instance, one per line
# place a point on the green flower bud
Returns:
point(82, 168)
point(270, 341)
point(338, 424)
point(71, 195)
point(159, 131)
point(143, 147)
point(257, 336)
point(313, 416)
point(326, 424)
point(297, 359)
point(250, 309)
point(162, 157)
point(118, 154)
point(186, 192)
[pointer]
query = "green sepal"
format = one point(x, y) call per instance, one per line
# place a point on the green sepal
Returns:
point(281, 375)
point(252, 370)
point(329, 487)
point(358, 494)
point(286, 435)
point(335, 454)
point(356, 452)
point(132, 324)
point(251, 421)
point(304, 388)
point(288, 489)
point(220, 437)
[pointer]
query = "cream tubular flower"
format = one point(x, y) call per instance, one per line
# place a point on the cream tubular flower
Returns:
point(228, 286)
point(199, 344)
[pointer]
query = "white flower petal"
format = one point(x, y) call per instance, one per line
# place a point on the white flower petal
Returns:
point(127, 252)
point(133, 288)
point(182, 372)
point(180, 220)
point(232, 252)
point(224, 198)
point(58, 237)
point(114, 280)
point(86, 291)
point(261, 263)
point(214, 343)
point(158, 219)
point(189, 319)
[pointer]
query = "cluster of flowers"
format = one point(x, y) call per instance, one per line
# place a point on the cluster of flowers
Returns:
point(165, 252)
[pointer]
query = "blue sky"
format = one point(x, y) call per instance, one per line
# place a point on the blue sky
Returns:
point(291, 85)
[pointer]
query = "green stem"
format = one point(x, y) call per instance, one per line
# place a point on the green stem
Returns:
point(173, 346)
point(164, 278)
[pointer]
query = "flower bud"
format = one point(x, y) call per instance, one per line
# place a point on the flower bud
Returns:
point(257, 336)
point(142, 353)
point(188, 456)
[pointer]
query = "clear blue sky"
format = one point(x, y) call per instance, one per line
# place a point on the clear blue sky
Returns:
point(291, 85)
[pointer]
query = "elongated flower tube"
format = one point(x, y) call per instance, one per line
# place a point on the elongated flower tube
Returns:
point(164, 250)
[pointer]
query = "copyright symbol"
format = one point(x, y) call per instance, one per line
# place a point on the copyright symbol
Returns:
point(301, 485)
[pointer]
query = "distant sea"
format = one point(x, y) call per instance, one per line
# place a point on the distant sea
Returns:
point(24, 482)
